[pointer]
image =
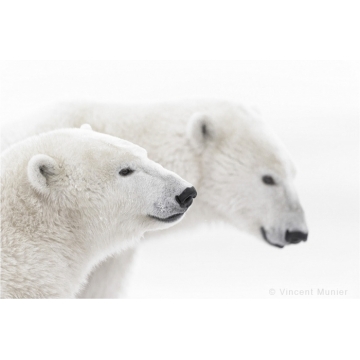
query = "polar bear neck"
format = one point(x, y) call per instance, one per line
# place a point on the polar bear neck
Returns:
point(53, 258)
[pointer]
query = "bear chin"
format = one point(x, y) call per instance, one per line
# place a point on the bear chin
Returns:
point(169, 219)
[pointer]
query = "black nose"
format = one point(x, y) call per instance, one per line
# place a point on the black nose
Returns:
point(185, 199)
point(294, 237)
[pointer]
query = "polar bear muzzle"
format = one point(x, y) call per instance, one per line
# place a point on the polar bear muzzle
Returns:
point(290, 237)
point(181, 204)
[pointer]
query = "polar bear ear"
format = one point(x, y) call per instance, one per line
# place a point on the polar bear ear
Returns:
point(200, 130)
point(86, 127)
point(39, 171)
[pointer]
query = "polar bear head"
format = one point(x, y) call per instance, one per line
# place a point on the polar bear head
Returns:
point(247, 175)
point(107, 183)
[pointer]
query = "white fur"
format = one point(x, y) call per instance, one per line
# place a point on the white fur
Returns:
point(226, 164)
point(66, 207)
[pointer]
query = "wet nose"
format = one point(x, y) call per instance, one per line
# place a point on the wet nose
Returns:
point(185, 199)
point(294, 237)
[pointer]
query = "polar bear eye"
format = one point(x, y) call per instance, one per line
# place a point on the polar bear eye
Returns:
point(126, 172)
point(268, 180)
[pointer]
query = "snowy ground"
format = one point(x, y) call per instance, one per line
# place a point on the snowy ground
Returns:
point(313, 106)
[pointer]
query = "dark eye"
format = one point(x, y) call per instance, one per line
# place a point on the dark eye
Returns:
point(268, 180)
point(126, 172)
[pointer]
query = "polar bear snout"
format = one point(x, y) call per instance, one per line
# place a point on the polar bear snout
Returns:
point(294, 237)
point(185, 199)
point(281, 239)
point(174, 207)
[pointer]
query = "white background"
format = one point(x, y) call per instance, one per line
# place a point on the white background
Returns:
point(193, 329)
point(312, 105)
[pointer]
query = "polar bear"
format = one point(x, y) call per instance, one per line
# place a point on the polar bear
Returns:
point(243, 173)
point(70, 198)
